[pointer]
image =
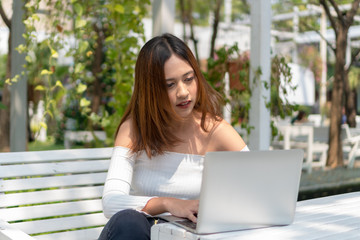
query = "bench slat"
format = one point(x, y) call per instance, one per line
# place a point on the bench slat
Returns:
point(55, 155)
point(50, 210)
point(84, 234)
point(49, 182)
point(53, 168)
point(16, 199)
point(8, 232)
point(58, 224)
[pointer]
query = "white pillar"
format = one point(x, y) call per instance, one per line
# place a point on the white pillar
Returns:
point(348, 53)
point(259, 138)
point(227, 9)
point(227, 108)
point(296, 33)
point(18, 90)
point(323, 53)
point(163, 15)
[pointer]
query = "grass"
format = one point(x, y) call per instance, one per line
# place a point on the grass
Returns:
point(43, 146)
point(50, 144)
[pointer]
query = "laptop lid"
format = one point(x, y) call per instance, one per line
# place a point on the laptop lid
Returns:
point(242, 190)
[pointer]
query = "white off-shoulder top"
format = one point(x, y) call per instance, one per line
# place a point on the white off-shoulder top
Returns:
point(133, 180)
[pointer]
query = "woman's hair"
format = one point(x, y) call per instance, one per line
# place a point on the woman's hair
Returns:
point(150, 111)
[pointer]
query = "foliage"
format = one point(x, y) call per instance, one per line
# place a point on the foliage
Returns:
point(2, 75)
point(3, 59)
point(305, 23)
point(100, 41)
point(200, 11)
point(281, 84)
point(309, 57)
point(354, 76)
point(229, 59)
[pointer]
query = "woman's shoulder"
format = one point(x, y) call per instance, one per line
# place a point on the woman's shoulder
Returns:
point(124, 135)
point(225, 138)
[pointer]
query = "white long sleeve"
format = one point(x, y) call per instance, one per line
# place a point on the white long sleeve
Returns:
point(118, 182)
point(131, 182)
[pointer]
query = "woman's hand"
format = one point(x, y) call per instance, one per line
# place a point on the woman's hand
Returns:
point(177, 207)
point(182, 208)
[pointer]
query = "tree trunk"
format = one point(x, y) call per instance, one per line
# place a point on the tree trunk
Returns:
point(335, 153)
point(215, 26)
point(350, 107)
point(340, 24)
point(96, 70)
point(192, 35)
point(183, 19)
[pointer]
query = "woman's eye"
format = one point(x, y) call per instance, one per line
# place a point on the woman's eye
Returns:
point(189, 79)
point(169, 85)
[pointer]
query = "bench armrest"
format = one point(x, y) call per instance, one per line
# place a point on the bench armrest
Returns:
point(8, 232)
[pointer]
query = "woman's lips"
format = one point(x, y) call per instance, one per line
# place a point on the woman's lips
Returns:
point(184, 104)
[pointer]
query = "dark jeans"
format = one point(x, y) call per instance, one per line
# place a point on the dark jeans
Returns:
point(128, 224)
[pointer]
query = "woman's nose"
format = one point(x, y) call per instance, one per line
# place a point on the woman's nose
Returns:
point(182, 91)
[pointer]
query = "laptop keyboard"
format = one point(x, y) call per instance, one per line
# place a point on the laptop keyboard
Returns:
point(187, 223)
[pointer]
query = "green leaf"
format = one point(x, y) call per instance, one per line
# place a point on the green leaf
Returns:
point(83, 45)
point(78, 9)
point(119, 8)
point(84, 102)
point(28, 59)
point(105, 122)
point(80, 23)
point(59, 84)
point(43, 125)
point(21, 48)
point(39, 88)
point(109, 39)
point(52, 103)
point(35, 17)
point(54, 53)
point(46, 72)
point(94, 117)
point(81, 88)
point(79, 67)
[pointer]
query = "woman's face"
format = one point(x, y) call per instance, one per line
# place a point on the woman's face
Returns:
point(181, 84)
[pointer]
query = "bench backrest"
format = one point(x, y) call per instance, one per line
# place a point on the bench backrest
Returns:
point(55, 192)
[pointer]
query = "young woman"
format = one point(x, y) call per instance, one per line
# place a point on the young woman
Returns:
point(173, 119)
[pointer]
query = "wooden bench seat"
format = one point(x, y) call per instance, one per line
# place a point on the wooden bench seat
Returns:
point(52, 194)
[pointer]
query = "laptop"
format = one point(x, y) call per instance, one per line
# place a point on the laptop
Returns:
point(246, 190)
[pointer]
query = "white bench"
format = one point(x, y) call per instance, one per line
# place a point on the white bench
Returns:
point(351, 143)
point(52, 194)
point(82, 136)
point(315, 140)
point(305, 137)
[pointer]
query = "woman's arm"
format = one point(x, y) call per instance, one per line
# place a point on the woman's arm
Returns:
point(117, 185)
point(177, 207)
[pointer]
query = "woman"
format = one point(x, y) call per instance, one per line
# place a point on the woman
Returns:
point(173, 119)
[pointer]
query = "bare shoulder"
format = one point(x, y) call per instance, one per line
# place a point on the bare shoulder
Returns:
point(124, 135)
point(225, 138)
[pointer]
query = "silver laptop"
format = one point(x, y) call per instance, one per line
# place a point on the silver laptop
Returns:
point(245, 190)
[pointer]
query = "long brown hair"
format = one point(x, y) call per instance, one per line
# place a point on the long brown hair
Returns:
point(150, 110)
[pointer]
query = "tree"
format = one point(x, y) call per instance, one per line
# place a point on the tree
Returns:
point(102, 39)
point(5, 105)
point(186, 9)
point(215, 26)
point(340, 23)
